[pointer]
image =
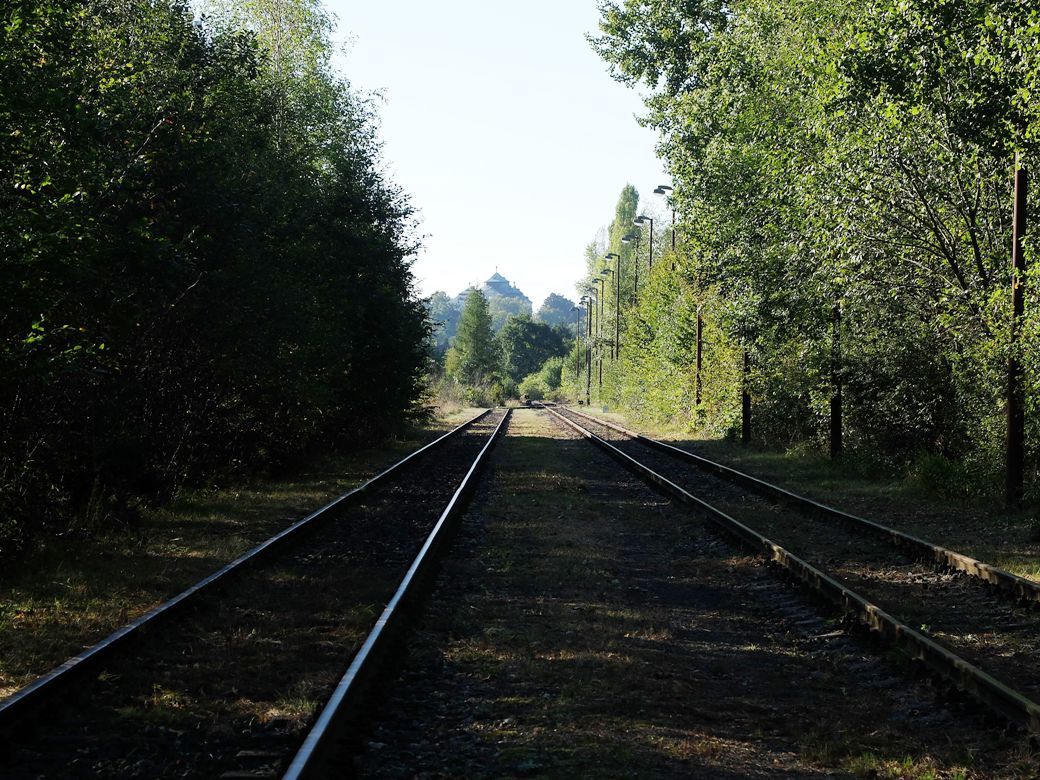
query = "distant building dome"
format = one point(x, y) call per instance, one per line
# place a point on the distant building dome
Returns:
point(500, 286)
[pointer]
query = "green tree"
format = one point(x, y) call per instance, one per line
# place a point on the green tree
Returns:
point(196, 282)
point(474, 356)
point(556, 310)
point(546, 382)
point(502, 308)
point(831, 152)
point(526, 345)
point(444, 316)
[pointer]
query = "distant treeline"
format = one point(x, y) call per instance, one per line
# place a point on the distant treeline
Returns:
point(204, 271)
point(524, 357)
point(830, 158)
point(445, 311)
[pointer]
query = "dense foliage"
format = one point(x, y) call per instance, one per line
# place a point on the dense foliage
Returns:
point(504, 301)
point(557, 310)
point(525, 345)
point(204, 270)
point(503, 308)
point(830, 153)
point(484, 367)
point(485, 343)
point(545, 383)
point(474, 358)
point(444, 316)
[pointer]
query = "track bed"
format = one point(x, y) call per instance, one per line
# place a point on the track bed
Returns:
point(229, 686)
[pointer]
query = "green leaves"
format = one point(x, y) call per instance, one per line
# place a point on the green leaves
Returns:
point(187, 264)
point(826, 150)
point(474, 357)
point(525, 345)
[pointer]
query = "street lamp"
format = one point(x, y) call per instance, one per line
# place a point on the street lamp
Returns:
point(642, 220)
point(601, 281)
point(577, 345)
point(588, 300)
point(664, 189)
point(617, 303)
point(630, 238)
point(607, 273)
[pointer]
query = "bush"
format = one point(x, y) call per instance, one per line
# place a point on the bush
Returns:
point(546, 383)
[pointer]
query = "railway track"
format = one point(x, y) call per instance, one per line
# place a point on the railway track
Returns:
point(972, 623)
point(224, 679)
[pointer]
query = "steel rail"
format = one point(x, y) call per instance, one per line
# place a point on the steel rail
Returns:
point(15, 706)
point(1020, 587)
point(330, 730)
point(1000, 697)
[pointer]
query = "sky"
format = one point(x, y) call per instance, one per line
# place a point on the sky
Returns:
point(504, 127)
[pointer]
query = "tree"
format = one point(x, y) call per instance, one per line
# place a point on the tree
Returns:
point(556, 310)
point(196, 283)
point(502, 308)
point(526, 345)
point(474, 355)
point(546, 382)
point(832, 153)
point(444, 316)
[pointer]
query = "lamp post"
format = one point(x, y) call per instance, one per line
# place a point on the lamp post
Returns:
point(1016, 415)
point(745, 399)
point(642, 220)
point(600, 280)
point(606, 273)
point(617, 303)
point(700, 354)
point(630, 238)
point(577, 345)
point(664, 189)
point(589, 302)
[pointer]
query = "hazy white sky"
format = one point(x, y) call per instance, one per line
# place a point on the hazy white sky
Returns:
point(505, 128)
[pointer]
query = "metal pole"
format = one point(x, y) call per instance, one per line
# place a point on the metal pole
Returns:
point(745, 402)
point(599, 332)
point(635, 288)
point(588, 351)
point(836, 426)
point(700, 353)
point(599, 316)
point(617, 310)
point(651, 242)
point(577, 349)
point(1016, 417)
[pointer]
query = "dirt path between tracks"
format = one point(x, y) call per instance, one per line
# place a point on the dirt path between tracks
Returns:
point(583, 628)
